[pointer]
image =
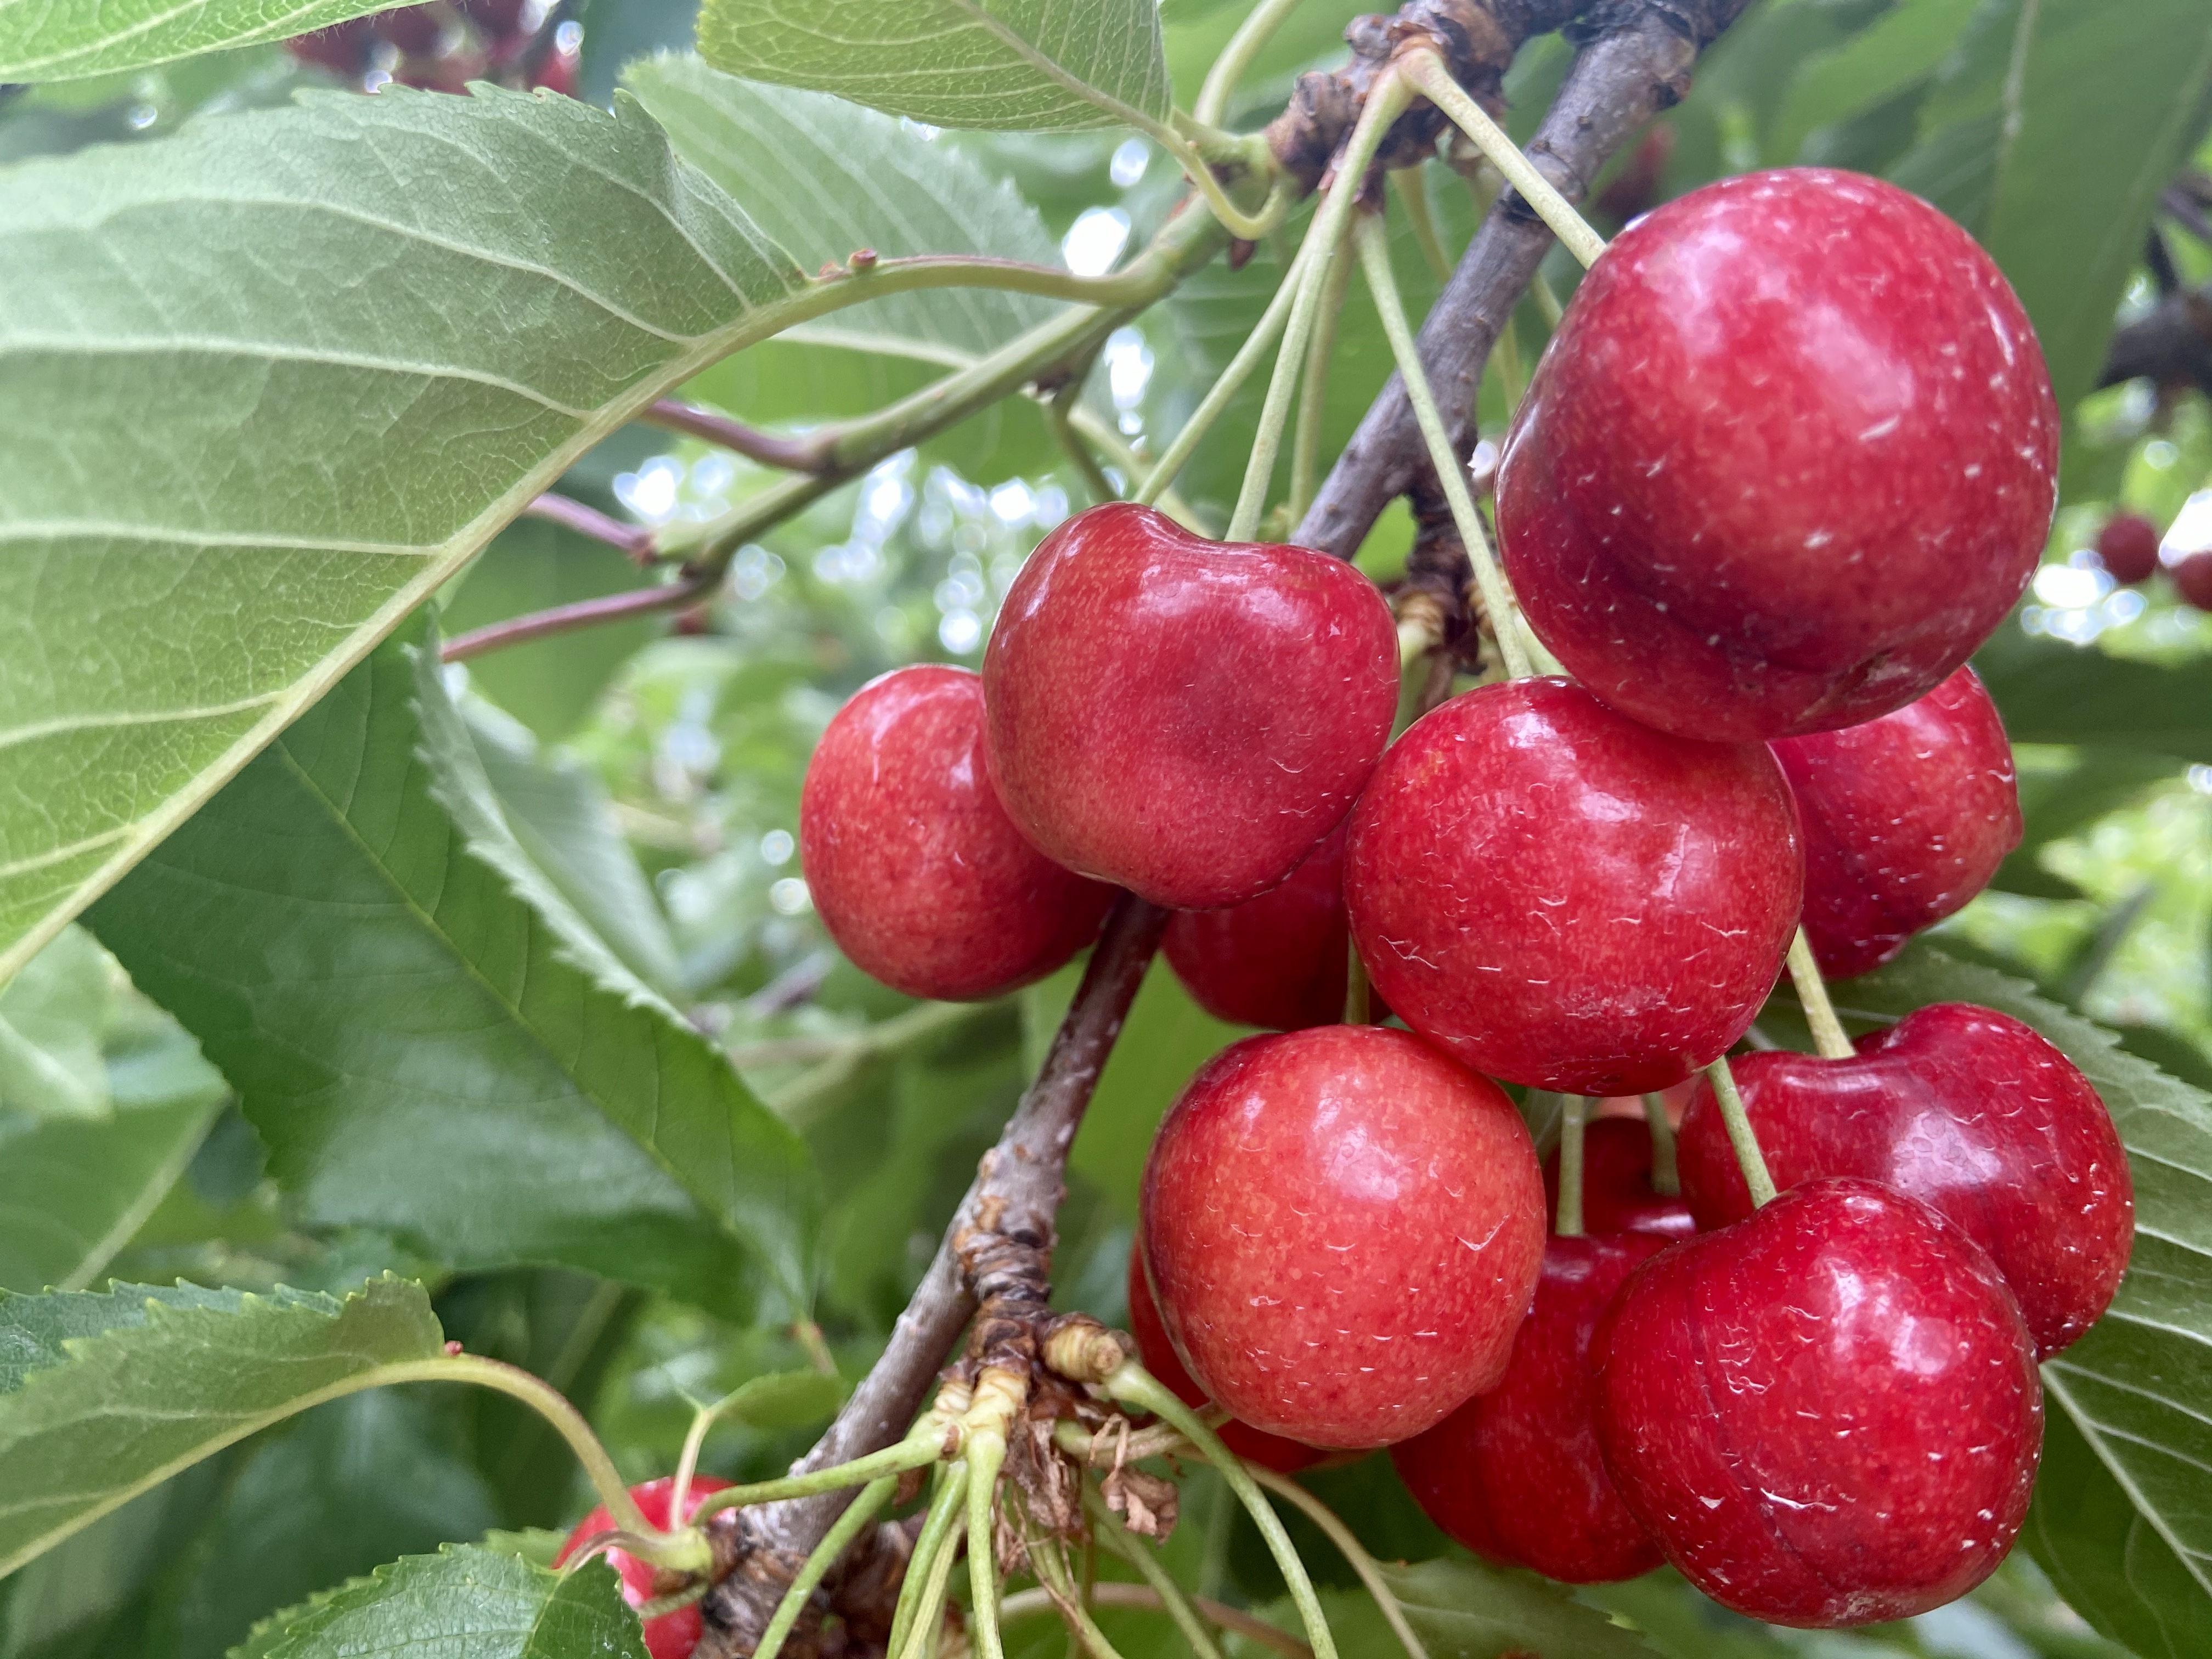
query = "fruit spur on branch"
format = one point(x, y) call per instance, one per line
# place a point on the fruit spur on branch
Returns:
point(1787, 461)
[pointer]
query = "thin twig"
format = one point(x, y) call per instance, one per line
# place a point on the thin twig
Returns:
point(768, 448)
point(583, 613)
point(633, 540)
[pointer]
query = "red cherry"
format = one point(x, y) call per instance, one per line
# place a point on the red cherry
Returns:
point(416, 30)
point(1342, 1228)
point(1617, 1192)
point(558, 73)
point(2128, 547)
point(1789, 457)
point(918, 873)
point(1516, 1473)
point(342, 48)
point(1268, 1450)
point(1184, 718)
point(2192, 579)
point(1969, 1111)
point(672, 1635)
point(1827, 1414)
point(1569, 900)
point(1279, 960)
point(1905, 818)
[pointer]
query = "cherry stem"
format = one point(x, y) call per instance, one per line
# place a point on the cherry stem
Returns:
point(857, 1515)
point(1104, 1524)
point(987, 1454)
point(633, 540)
point(914, 1452)
point(1573, 1110)
point(1386, 101)
point(1370, 1570)
point(1426, 71)
point(931, 1564)
point(1358, 996)
point(1830, 1040)
point(1050, 1563)
point(1033, 1603)
point(583, 613)
point(1259, 25)
point(1496, 597)
point(1313, 388)
point(768, 448)
point(1748, 1157)
point(1413, 190)
point(1666, 1181)
point(1134, 1385)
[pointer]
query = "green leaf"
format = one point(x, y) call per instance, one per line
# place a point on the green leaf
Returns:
point(1903, 46)
point(2063, 121)
point(1463, 1608)
point(464, 1603)
point(102, 1395)
point(54, 1016)
point(429, 1037)
point(2058, 802)
point(224, 475)
point(2120, 1520)
point(2049, 692)
point(1003, 65)
point(44, 42)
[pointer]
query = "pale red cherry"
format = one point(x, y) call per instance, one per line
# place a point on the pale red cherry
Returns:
point(1905, 818)
point(1967, 1109)
point(1567, 899)
point(1158, 1356)
point(1185, 718)
point(671, 1634)
point(915, 867)
point(1279, 960)
point(1342, 1228)
point(1788, 459)
point(1825, 1415)
point(1515, 1473)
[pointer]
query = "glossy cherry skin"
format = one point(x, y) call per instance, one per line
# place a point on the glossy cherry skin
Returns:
point(672, 1635)
point(1905, 818)
point(2128, 547)
point(916, 869)
point(1566, 899)
point(2192, 579)
point(1158, 1355)
point(1788, 459)
point(1185, 718)
point(1825, 1415)
point(1515, 1473)
point(1278, 960)
point(1969, 1111)
point(1342, 1228)
point(1618, 1196)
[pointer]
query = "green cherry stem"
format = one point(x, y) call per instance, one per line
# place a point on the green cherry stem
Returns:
point(1135, 1386)
point(1370, 1570)
point(913, 1452)
point(1574, 1110)
point(987, 1453)
point(1106, 1525)
point(1748, 1157)
point(1830, 1040)
point(842, 1531)
point(1427, 73)
point(1035, 1603)
point(1413, 190)
point(921, 1595)
point(1666, 1181)
point(1313, 389)
point(1496, 597)
point(1252, 34)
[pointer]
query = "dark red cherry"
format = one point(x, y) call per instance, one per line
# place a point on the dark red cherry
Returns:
point(2128, 547)
point(1158, 1356)
point(672, 1635)
point(1279, 960)
point(1342, 1228)
point(917, 871)
point(1566, 899)
point(2192, 579)
point(1789, 457)
point(1515, 1473)
point(1185, 718)
point(1905, 818)
point(1827, 1414)
point(1967, 1109)
point(1618, 1196)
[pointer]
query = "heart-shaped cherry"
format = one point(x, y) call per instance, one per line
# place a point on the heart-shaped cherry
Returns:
point(1788, 459)
point(915, 867)
point(1342, 1228)
point(1618, 1196)
point(1270, 1451)
point(1278, 960)
point(672, 1635)
point(1185, 718)
point(1515, 1473)
point(1566, 899)
point(1967, 1109)
point(1905, 818)
point(1827, 1414)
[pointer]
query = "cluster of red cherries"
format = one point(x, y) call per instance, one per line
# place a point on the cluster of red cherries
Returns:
point(444, 45)
point(2128, 547)
point(1788, 460)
